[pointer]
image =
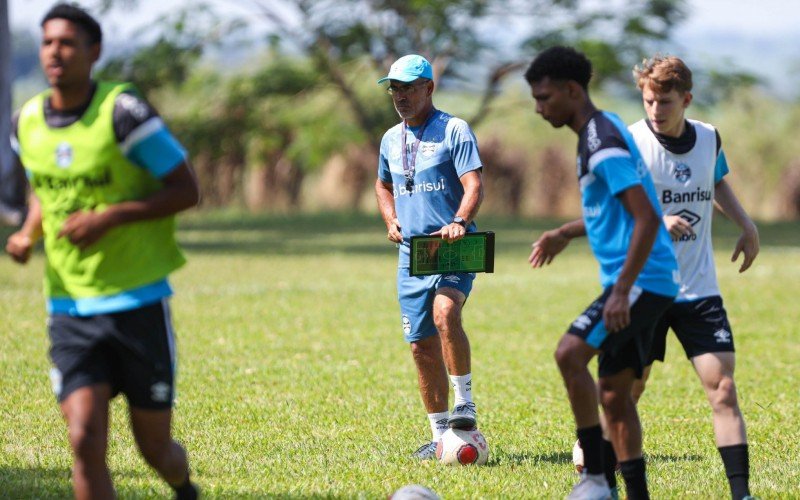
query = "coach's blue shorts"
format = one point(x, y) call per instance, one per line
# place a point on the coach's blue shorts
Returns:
point(416, 295)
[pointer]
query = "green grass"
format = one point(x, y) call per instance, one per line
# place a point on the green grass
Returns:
point(294, 380)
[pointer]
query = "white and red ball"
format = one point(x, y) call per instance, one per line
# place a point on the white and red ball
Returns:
point(577, 456)
point(462, 447)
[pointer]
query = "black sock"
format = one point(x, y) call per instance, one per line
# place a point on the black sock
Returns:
point(737, 467)
point(609, 464)
point(185, 491)
point(635, 479)
point(591, 439)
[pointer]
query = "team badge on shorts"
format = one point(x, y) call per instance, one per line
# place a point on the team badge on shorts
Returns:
point(159, 392)
point(723, 336)
point(406, 325)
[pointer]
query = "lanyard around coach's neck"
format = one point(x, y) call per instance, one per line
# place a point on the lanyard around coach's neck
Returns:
point(409, 166)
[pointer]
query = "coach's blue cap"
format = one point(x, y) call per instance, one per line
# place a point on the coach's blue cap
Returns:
point(409, 68)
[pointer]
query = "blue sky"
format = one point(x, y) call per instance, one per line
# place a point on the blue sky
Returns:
point(760, 36)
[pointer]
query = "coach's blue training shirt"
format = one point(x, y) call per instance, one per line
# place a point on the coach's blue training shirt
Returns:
point(608, 164)
point(447, 150)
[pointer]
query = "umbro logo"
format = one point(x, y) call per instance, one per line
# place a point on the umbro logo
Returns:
point(689, 216)
point(583, 322)
point(160, 392)
point(452, 278)
point(723, 336)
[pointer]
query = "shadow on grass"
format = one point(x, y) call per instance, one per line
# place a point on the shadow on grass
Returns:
point(566, 458)
point(552, 458)
point(315, 234)
point(667, 459)
point(35, 482)
point(238, 232)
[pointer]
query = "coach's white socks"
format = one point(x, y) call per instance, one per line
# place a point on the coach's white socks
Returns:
point(462, 385)
point(438, 424)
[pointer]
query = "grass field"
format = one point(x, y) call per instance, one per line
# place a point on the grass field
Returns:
point(294, 380)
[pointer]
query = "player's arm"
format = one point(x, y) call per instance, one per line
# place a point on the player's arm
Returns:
point(179, 192)
point(748, 244)
point(552, 242)
point(467, 210)
point(20, 244)
point(646, 222)
point(385, 195)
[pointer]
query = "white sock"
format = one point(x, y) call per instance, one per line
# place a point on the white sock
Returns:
point(462, 385)
point(438, 424)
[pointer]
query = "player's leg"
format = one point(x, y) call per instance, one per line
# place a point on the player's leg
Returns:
point(447, 306)
point(152, 431)
point(715, 370)
point(86, 412)
point(415, 295)
point(572, 356)
point(145, 346)
point(716, 373)
point(433, 389)
point(431, 373)
point(621, 418)
point(624, 356)
point(83, 384)
point(624, 430)
point(658, 352)
point(707, 339)
point(575, 349)
point(640, 384)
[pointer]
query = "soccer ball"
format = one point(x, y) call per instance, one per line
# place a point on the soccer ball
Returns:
point(414, 492)
point(462, 447)
point(577, 456)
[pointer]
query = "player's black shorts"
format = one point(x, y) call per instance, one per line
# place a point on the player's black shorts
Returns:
point(133, 351)
point(627, 348)
point(701, 326)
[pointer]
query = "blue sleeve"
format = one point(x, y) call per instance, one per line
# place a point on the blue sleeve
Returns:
point(154, 148)
point(618, 172)
point(384, 174)
point(721, 167)
point(463, 148)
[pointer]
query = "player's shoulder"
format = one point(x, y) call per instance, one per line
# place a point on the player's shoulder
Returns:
point(702, 127)
point(639, 127)
point(603, 131)
point(130, 104)
point(456, 130)
point(444, 118)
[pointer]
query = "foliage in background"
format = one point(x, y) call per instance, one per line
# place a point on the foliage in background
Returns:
point(303, 117)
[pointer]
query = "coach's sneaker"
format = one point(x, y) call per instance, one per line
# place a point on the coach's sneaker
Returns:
point(463, 416)
point(591, 487)
point(426, 452)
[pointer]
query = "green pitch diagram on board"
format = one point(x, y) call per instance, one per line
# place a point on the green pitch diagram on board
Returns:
point(474, 253)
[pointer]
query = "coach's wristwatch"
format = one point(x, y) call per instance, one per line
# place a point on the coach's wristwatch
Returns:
point(460, 221)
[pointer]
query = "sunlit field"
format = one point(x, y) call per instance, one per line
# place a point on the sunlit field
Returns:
point(294, 380)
